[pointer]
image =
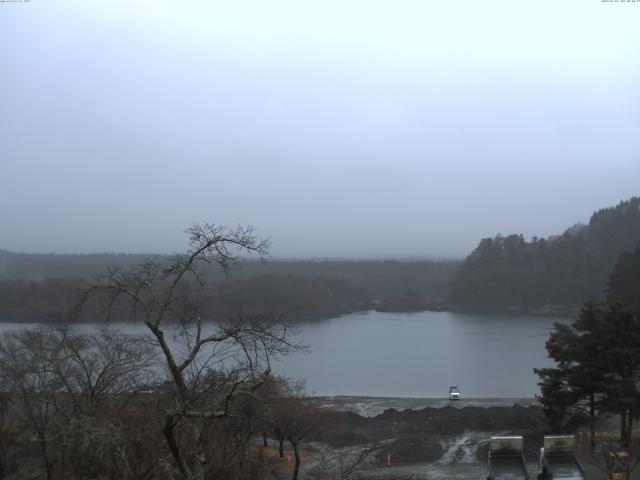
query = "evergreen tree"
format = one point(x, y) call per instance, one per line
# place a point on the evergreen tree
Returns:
point(597, 366)
point(569, 391)
point(566, 269)
point(624, 282)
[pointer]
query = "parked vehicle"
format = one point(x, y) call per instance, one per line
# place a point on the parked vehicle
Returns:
point(558, 459)
point(506, 459)
point(454, 393)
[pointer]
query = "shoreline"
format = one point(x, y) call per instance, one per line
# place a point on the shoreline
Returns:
point(515, 311)
point(560, 311)
point(368, 406)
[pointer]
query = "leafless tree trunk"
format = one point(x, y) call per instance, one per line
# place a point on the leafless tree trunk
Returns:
point(280, 435)
point(296, 455)
point(592, 421)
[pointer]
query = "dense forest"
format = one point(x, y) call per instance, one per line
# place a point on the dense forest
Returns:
point(510, 272)
point(587, 383)
point(378, 278)
point(38, 287)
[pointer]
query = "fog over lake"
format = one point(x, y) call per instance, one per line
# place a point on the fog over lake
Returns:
point(415, 354)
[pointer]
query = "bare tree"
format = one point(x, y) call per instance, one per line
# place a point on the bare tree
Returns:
point(267, 398)
point(340, 464)
point(303, 419)
point(168, 296)
point(293, 417)
point(30, 388)
point(7, 439)
point(275, 416)
point(58, 380)
point(97, 367)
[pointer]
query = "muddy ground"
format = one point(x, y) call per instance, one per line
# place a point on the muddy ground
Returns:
point(420, 439)
point(372, 406)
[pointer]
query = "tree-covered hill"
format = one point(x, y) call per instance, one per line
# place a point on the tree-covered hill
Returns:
point(507, 271)
point(42, 286)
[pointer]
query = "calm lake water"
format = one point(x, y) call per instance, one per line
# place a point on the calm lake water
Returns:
point(416, 354)
point(421, 354)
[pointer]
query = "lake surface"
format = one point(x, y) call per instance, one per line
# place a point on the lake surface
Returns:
point(416, 354)
point(421, 354)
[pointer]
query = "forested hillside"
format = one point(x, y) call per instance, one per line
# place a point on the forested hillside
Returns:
point(505, 272)
point(378, 279)
point(36, 287)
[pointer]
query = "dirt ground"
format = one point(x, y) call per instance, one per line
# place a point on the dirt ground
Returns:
point(424, 439)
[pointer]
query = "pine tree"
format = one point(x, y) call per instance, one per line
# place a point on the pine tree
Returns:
point(597, 367)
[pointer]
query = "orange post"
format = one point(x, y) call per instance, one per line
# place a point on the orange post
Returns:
point(289, 461)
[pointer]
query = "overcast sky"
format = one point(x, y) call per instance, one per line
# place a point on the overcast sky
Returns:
point(338, 128)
